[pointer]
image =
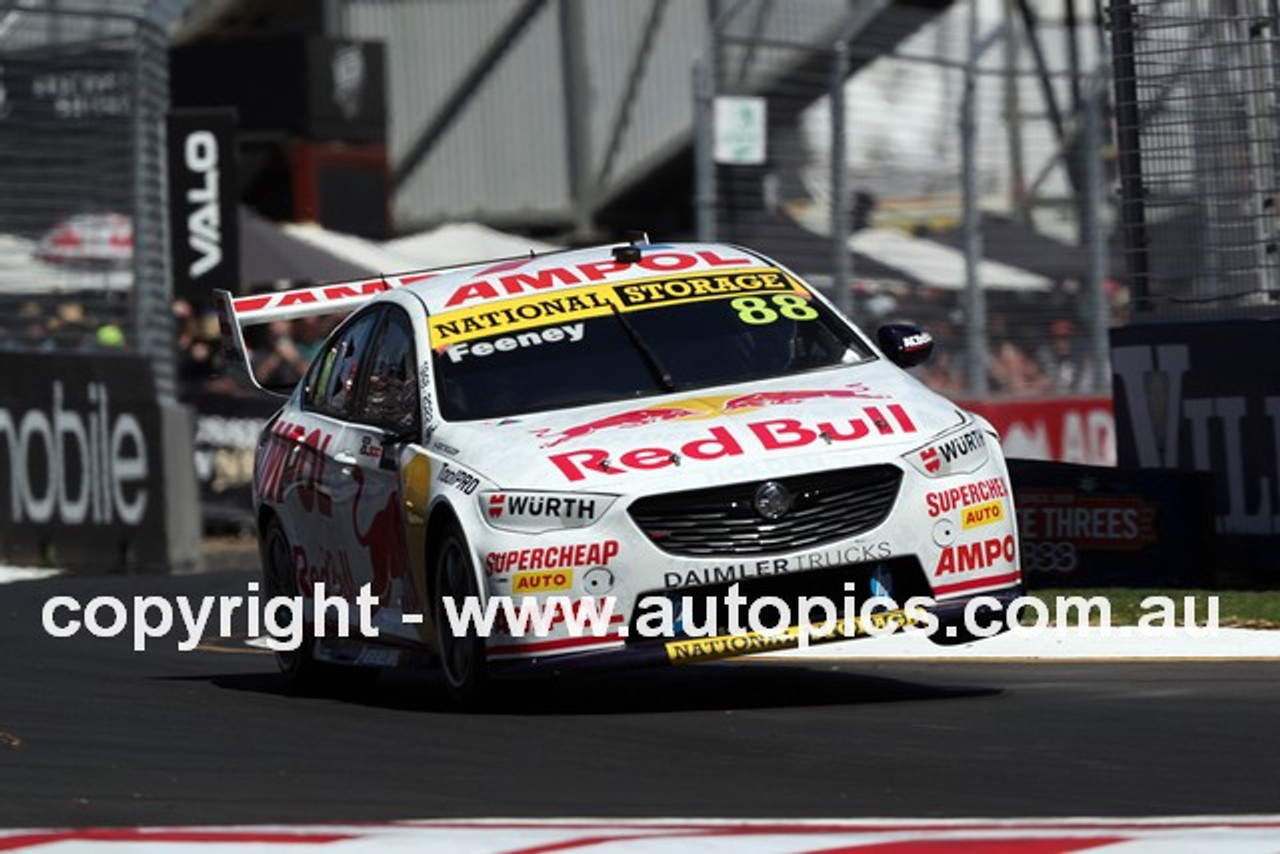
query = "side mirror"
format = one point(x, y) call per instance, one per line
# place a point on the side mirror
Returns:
point(905, 345)
point(392, 443)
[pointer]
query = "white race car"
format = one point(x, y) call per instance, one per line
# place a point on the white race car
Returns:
point(674, 438)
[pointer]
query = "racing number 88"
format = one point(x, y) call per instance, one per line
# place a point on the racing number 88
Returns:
point(755, 311)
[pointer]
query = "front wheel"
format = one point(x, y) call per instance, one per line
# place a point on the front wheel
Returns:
point(462, 655)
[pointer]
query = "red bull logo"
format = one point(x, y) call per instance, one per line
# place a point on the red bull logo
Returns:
point(385, 544)
point(719, 442)
point(702, 407)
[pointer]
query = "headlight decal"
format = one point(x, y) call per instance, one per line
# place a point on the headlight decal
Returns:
point(535, 512)
point(955, 452)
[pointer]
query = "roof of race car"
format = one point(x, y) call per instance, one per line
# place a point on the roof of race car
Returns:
point(473, 285)
point(490, 281)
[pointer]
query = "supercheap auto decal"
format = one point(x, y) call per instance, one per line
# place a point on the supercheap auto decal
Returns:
point(583, 302)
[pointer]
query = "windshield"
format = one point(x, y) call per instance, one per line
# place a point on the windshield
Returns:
point(587, 345)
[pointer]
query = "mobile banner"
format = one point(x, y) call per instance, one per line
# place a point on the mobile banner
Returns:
point(81, 478)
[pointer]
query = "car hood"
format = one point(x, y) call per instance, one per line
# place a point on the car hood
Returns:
point(761, 429)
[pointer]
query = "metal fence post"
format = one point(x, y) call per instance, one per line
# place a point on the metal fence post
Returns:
point(153, 332)
point(1133, 215)
point(1100, 382)
point(704, 167)
point(975, 298)
point(841, 267)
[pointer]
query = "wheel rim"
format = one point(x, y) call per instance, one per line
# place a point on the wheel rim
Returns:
point(457, 653)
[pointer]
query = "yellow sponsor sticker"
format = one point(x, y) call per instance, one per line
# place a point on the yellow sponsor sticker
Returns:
point(981, 514)
point(696, 288)
point(579, 303)
point(728, 646)
point(542, 581)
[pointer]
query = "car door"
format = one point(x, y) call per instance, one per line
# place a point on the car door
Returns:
point(386, 416)
point(328, 403)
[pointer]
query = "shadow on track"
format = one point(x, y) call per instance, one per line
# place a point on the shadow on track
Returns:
point(704, 687)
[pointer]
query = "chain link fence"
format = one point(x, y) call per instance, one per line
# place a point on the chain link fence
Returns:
point(83, 254)
point(944, 167)
point(1196, 119)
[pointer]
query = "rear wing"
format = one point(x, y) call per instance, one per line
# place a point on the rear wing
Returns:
point(237, 312)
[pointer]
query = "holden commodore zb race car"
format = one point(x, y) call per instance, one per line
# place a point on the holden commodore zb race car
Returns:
point(674, 435)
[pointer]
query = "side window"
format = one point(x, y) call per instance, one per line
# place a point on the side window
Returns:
point(331, 385)
point(391, 391)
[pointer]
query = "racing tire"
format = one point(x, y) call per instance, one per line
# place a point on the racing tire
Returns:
point(462, 658)
point(302, 672)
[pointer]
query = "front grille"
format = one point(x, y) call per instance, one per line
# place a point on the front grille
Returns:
point(827, 506)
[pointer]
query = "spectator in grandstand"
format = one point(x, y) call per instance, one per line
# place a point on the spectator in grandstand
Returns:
point(1013, 372)
point(1062, 359)
point(277, 360)
point(31, 330)
point(308, 334)
point(68, 329)
point(193, 355)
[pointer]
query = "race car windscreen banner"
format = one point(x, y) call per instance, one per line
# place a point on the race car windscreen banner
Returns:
point(203, 227)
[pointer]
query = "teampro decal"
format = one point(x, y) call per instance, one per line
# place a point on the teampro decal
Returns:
point(458, 479)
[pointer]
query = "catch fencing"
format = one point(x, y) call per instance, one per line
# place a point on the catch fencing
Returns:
point(83, 254)
point(95, 451)
point(943, 165)
point(1196, 117)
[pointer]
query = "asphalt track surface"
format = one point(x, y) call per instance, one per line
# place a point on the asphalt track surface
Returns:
point(92, 733)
